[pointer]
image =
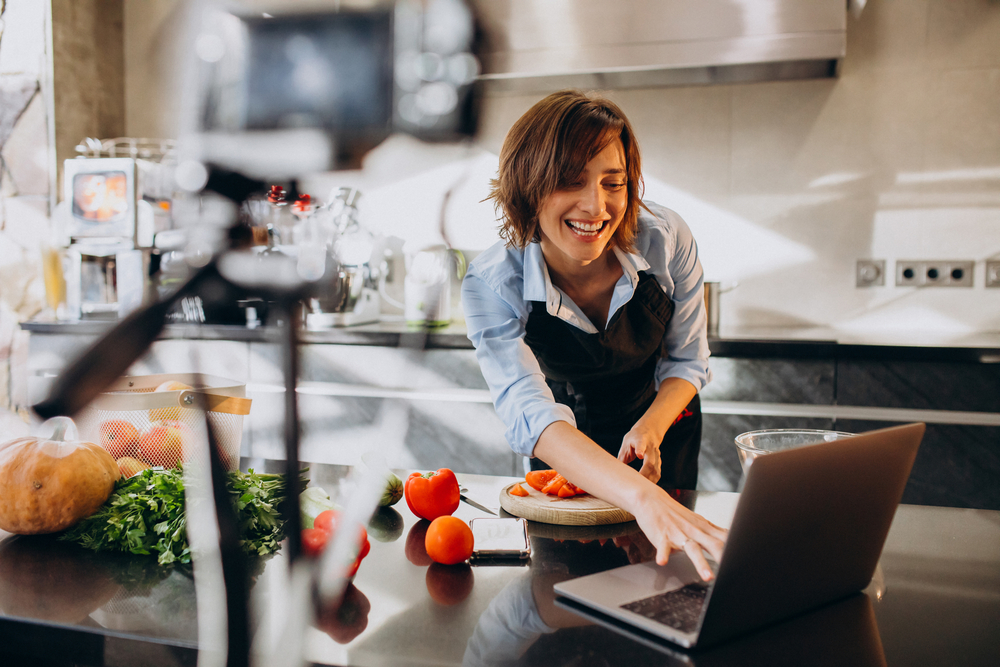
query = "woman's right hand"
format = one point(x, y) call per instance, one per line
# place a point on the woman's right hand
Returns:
point(669, 525)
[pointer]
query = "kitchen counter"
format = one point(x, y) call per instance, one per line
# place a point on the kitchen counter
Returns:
point(935, 600)
point(733, 341)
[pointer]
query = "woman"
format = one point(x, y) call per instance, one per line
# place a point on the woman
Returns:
point(589, 323)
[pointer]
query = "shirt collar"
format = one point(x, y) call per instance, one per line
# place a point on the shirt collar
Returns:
point(538, 285)
point(632, 264)
point(536, 276)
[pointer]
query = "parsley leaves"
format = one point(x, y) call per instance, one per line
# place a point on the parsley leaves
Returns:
point(145, 515)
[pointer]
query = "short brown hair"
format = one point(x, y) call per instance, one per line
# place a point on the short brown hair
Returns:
point(547, 148)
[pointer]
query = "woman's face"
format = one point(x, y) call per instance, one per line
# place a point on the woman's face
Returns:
point(578, 221)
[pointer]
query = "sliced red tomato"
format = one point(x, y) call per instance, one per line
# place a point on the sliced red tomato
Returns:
point(518, 490)
point(537, 479)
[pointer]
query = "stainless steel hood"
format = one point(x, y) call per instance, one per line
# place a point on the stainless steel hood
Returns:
point(549, 44)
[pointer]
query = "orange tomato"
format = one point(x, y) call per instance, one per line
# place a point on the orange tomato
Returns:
point(449, 540)
point(119, 437)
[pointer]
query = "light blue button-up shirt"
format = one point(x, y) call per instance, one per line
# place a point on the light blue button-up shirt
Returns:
point(501, 282)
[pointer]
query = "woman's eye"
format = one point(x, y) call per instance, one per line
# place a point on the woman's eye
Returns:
point(614, 186)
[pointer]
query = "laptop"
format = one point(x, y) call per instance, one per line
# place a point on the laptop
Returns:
point(808, 529)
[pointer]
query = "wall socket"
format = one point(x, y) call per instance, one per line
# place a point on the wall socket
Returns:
point(869, 273)
point(934, 273)
point(993, 273)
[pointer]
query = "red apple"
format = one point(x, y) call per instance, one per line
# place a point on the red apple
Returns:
point(131, 466)
point(165, 443)
point(119, 437)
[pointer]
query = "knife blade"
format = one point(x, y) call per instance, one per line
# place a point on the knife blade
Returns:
point(466, 499)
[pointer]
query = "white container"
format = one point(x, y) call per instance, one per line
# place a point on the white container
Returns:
point(427, 285)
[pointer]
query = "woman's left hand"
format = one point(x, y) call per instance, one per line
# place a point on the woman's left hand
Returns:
point(643, 443)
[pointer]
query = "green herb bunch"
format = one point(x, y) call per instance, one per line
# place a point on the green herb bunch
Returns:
point(145, 515)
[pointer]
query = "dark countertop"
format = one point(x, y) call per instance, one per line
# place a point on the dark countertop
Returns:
point(733, 341)
point(935, 601)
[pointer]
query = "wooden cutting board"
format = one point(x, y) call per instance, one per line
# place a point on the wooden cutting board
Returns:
point(583, 510)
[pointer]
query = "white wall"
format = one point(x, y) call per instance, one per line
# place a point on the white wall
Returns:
point(24, 188)
point(785, 184)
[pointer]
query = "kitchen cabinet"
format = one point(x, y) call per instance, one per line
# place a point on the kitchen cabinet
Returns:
point(958, 465)
point(774, 379)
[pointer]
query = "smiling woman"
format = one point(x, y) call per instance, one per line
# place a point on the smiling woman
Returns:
point(589, 323)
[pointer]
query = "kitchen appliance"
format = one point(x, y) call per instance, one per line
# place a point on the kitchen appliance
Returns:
point(349, 287)
point(427, 285)
point(112, 209)
point(536, 45)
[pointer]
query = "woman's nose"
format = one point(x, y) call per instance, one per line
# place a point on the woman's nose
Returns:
point(592, 199)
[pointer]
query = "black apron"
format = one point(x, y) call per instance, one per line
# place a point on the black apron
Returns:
point(606, 378)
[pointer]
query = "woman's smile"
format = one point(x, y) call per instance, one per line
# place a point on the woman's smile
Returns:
point(588, 230)
point(578, 220)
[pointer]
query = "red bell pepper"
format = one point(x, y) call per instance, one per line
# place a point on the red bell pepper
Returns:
point(432, 494)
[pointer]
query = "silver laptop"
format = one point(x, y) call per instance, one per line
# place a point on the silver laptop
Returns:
point(808, 529)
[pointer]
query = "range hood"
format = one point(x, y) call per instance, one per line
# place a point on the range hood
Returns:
point(537, 45)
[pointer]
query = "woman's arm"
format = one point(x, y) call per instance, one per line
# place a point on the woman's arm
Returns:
point(667, 523)
point(643, 440)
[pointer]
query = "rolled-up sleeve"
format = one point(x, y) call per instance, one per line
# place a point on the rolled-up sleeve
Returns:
point(685, 344)
point(495, 318)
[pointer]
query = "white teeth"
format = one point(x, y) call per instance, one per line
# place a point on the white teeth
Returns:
point(586, 228)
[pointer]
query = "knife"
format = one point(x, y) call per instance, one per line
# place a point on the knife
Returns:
point(466, 499)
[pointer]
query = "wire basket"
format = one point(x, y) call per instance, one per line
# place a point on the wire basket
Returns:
point(152, 420)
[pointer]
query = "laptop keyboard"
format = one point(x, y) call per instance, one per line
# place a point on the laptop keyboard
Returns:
point(679, 609)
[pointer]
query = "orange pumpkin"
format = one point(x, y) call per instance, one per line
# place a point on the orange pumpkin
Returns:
point(49, 484)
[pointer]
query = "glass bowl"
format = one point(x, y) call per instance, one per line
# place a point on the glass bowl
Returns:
point(752, 444)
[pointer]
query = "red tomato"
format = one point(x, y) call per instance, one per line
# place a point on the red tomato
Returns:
point(449, 540)
point(314, 540)
point(432, 494)
point(328, 520)
point(324, 526)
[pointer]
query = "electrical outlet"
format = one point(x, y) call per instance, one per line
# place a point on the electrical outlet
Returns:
point(993, 273)
point(960, 273)
point(909, 273)
point(934, 273)
point(869, 273)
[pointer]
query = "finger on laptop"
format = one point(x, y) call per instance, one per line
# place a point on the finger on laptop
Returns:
point(694, 552)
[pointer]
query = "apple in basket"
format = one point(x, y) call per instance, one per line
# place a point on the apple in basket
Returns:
point(172, 412)
point(165, 442)
point(119, 437)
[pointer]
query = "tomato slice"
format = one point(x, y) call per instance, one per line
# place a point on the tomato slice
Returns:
point(537, 479)
point(518, 490)
point(557, 483)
